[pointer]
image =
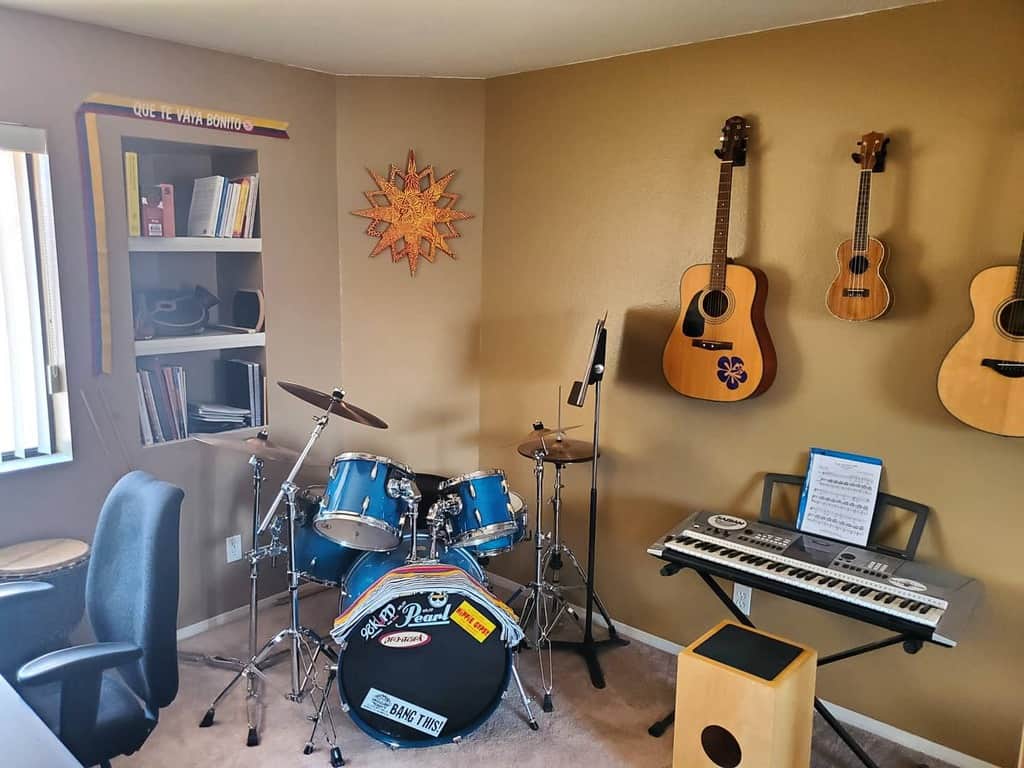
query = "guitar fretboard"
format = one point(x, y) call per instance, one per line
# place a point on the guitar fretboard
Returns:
point(860, 226)
point(720, 248)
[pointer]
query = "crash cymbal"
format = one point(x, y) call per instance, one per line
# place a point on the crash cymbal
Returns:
point(259, 445)
point(323, 401)
point(558, 451)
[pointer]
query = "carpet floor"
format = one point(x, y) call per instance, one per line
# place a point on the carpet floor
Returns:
point(589, 727)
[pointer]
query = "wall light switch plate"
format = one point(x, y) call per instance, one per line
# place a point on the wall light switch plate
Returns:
point(742, 595)
point(234, 547)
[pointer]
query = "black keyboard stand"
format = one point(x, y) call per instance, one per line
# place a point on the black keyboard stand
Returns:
point(910, 643)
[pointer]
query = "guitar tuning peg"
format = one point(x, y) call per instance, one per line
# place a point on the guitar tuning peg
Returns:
point(857, 157)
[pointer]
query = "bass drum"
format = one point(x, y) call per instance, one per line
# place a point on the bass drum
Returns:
point(425, 679)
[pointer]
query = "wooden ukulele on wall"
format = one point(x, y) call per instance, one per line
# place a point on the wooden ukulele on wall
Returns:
point(720, 348)
point(981, 381)
point(859, 291)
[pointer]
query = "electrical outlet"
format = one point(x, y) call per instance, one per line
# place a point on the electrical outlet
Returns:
point(742, 595)
point(234, 547)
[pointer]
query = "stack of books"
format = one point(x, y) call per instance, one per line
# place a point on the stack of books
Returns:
point(244, 385)
point(217, 417)
point(163, 405)
point(223, 207)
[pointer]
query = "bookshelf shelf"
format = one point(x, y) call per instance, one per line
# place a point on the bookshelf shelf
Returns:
point(201, 342)
point(195, 244)
point(241, 433)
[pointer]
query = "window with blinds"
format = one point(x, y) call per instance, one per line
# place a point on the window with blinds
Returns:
point(33, 400)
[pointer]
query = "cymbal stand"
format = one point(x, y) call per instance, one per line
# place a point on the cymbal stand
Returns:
point(250, 670)
point(535, 607)
point(554, 563)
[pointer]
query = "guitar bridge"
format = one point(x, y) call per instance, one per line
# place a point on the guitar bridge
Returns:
point(1012, 369)
point(856, 293)
point(712, 345)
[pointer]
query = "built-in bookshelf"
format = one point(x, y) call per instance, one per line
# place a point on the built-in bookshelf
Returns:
point(207, 364)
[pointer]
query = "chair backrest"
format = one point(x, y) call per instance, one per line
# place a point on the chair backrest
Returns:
point(132, 587)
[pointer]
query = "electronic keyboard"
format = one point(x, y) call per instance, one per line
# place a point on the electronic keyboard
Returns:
point(902, 595)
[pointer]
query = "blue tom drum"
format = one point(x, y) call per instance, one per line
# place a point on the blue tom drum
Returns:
point(486, 513)
point(318, 558)
point(362, 508)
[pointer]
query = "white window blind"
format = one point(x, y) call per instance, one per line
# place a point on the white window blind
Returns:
point(25, 426)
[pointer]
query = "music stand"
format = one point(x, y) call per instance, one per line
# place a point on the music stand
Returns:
point(593, 375)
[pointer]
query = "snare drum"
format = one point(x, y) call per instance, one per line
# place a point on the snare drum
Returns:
point(486, 513)
point(506, 543)
point(62, 563)
point(318, 558)
point(372, 565)
point(361, 508)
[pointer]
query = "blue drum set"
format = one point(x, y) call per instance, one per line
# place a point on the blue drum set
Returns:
point(422, 652)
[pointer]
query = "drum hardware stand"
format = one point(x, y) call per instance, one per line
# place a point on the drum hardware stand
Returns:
point(554, 563)
point(530, 719)
point(536, 606)
point(330, 736)
point(299, 635)
point(250, 670)
point(589, 647)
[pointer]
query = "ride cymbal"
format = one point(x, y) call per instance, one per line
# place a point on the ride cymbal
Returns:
point(334, 404)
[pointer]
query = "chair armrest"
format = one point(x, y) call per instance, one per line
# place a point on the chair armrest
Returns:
point(80, 660)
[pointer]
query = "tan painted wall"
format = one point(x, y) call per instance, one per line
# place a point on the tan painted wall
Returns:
point(50, 66)
point(410, 345)
point(600, 189)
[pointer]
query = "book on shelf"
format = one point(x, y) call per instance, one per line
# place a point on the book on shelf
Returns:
point(162, 403)
point(217, 417)
point(131, 192)
point(166, 196)
point(243, 388)
point(204, 211)
point(223, 207)
point(144, 426)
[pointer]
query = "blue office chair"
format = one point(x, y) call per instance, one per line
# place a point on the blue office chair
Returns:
point(102, 699)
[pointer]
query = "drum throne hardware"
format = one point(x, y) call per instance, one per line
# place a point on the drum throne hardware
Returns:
point(306, 647)
point(589, 647)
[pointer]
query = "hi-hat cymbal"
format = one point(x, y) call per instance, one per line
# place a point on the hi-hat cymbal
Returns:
point(259, 445)
point(540, 432)
point(558, 451)
point(338, 407)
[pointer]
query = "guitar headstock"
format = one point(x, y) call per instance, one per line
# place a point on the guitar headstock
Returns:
point(873, 147)
point(734, 141)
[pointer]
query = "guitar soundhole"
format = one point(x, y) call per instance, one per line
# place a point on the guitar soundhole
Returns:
point(715, 303)
point(859, 264)
point(1011, 318)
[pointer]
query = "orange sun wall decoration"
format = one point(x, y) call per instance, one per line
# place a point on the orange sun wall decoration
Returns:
point(407, 216)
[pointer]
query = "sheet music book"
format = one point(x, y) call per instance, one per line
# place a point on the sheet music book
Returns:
point(839, 496)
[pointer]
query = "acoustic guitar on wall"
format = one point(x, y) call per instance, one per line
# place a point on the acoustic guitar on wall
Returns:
point(981, 381)
point(859, 291)
point(720, 348)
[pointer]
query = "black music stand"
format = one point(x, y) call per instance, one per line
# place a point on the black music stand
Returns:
point(589, 647)
point(911, 642)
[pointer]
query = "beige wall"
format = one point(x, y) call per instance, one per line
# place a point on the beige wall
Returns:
point(49, 67)
point(410, 345)
point(600, 189)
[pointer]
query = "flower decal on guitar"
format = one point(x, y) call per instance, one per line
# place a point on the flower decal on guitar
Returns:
point(731, 371)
